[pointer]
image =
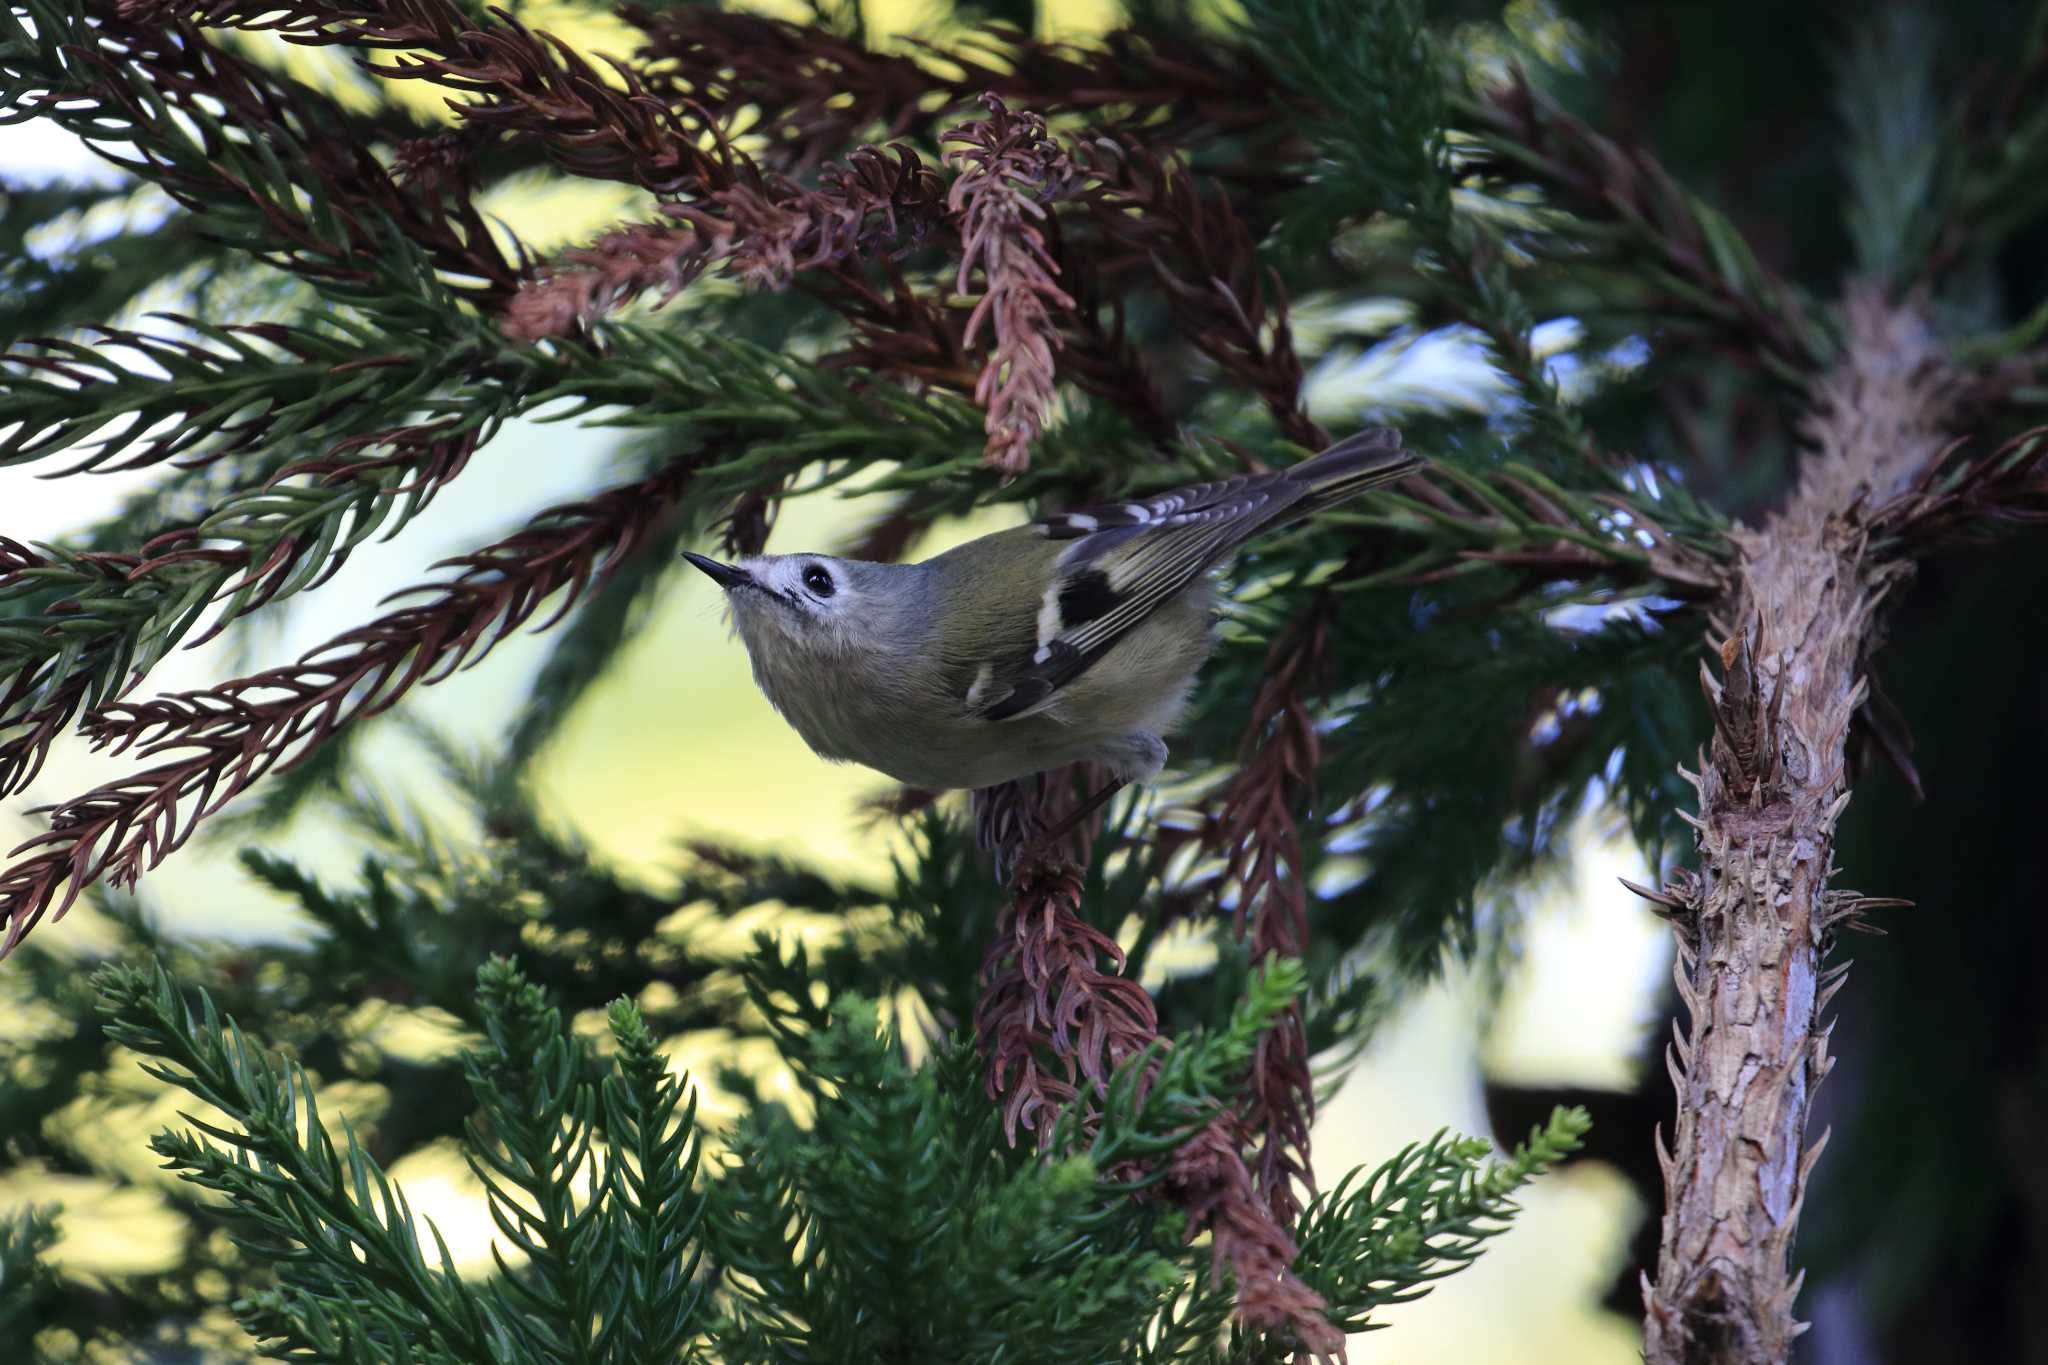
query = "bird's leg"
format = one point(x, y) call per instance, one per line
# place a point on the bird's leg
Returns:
point(1135, 757)
point(1080, 813)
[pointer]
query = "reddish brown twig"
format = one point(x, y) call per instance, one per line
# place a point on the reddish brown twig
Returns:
point(1959, 499)
point(829, 92)
point(1053, 1025)
point(1146, 214)
point(514, 82)
point(36, 708)
point(764, 229)
point(139, 67)
point(1010, 169)
point(229, 736)
point(1255, 831)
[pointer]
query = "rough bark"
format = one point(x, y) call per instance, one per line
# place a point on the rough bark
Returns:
point(1755, 923)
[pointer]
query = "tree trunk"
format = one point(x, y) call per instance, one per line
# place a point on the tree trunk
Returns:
point(1756, 921)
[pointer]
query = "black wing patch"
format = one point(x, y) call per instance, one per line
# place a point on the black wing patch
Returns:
point(1086, 597)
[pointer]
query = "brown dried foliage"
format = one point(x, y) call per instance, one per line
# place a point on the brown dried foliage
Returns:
point(1053, 1025)
point(442, 162)
point(518, 84)
point(897, 331)
point(513, 82)
point(1147, 215)
point(1010, 169)
point(1052, 288)
point(41, 701)
point(1101, 359)
point(1255, 830)
point(1956, 500)
point(1207, 1178)
point(827, 91)
point(227, 737)
point(876, 198)
point(1054, 1014)
point(337, 172)
point(1139, 214)
point(563, 300)
point(764, 228)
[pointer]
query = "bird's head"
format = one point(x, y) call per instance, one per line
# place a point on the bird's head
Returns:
point(804, 610)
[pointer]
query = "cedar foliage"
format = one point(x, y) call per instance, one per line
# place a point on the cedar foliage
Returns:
point(984, 269)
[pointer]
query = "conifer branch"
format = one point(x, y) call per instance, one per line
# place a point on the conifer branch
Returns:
point(26, 1279)
point(1427, 1211)
point(1010, 170)
point(531, 1143)
point(359, 1246)
point(228, 737)
point(51, 293)
point(1754, 925)
point(651, 1124)
point(1046, 1005)
point(353, 1280)
point(1169, 85)
point(1150, 213)
point(124, 613)
point(121, 613)
point(1256, 834)
point(1962, 498)
point(215, 393)
point(1132, 214)
point(765, 230)
point(128, 611)
point(516, 83)
point(1705, 267)
point(307, 196)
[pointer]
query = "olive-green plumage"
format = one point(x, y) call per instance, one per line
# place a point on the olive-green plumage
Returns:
point(1074, 638)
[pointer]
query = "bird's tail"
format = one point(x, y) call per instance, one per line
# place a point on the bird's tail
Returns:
point(1355, 464)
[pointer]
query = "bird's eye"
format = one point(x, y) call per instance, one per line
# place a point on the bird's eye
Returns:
point(819, 580)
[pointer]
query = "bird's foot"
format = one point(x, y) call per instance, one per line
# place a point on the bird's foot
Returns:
point(1135, 758)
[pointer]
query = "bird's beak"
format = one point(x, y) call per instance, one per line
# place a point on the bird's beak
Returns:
point(724, 575)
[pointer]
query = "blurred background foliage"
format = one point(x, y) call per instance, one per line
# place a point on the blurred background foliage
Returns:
point(649, 831)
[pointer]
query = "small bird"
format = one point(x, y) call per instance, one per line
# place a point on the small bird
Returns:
point(1075, 637)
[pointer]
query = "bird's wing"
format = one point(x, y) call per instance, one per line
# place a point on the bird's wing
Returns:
point(1128, 559)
